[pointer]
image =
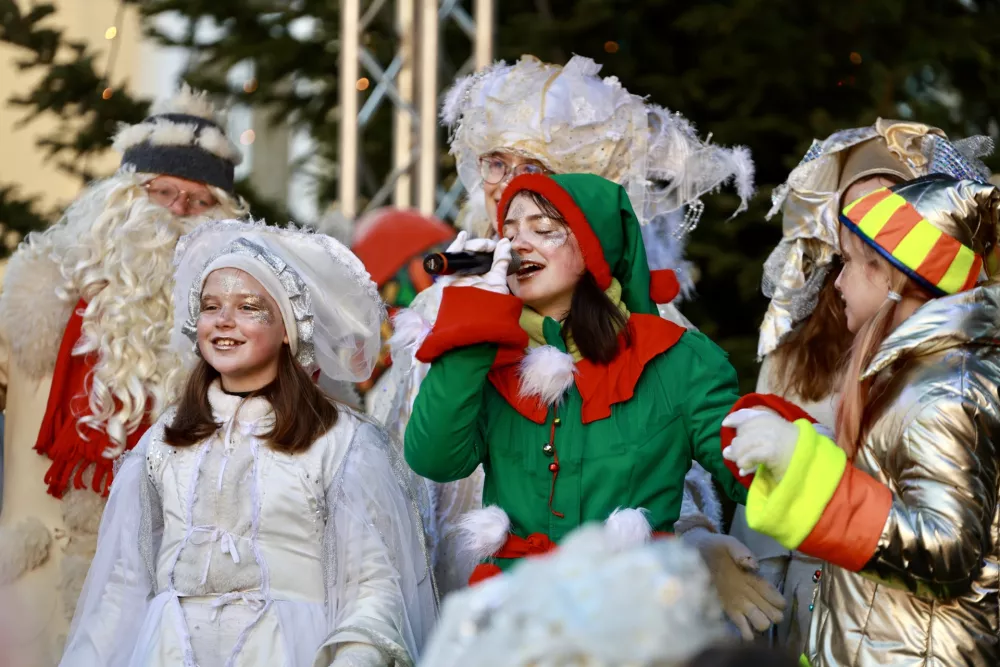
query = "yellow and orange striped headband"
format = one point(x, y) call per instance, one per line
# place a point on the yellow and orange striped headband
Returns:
point(921, 231)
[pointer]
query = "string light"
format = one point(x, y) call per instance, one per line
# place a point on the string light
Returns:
point(855, 57)
point(248, 137)
point(362, 83)
point(250, 85)
point(611, 47)
point(110, 34)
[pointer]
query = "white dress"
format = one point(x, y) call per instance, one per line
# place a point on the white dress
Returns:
point(231, 553)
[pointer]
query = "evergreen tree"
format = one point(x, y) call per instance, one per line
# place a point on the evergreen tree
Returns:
point(771, 75)
point(71, 90)
point(87, 107)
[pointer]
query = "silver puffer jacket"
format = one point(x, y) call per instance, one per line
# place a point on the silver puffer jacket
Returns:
point(928, 596)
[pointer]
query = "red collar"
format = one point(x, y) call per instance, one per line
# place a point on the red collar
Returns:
point(600, 385)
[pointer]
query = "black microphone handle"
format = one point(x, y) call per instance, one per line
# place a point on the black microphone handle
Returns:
point(465, 263)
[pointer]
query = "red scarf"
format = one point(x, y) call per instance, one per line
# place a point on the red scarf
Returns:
point(73, 447)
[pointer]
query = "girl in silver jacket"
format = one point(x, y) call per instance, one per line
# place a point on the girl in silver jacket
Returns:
point(903, 507)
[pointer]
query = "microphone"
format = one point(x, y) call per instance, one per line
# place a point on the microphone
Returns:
point(465, 263)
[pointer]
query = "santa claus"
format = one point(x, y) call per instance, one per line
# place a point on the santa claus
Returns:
point(85, 366)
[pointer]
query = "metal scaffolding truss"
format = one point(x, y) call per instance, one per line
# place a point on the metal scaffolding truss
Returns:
point(409, 82)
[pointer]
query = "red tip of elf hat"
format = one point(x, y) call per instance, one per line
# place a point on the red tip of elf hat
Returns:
point(590, 245)
point(663, 285)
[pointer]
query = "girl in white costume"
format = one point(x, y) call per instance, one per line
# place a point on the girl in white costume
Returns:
point(538, 117)
point(258, 522)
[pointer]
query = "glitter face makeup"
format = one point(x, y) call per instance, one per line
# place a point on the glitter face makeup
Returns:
point(551, 261)
point(525, 221)
point(240, 330)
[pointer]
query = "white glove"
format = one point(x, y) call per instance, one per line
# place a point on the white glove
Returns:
point(824, 431)
point(495, 280)
point(749, 600)
point(461, 243)
point(356, 654)
point(762, 438)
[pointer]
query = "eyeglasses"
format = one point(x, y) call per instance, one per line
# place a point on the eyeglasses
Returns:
point(494, 170)
point(166, 195)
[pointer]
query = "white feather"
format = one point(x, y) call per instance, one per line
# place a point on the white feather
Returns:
point(454, 100)
point(193, 103)
point(409, 332)
point(627, 529)
point(216, 143)
point(166, 133)
point(743, 175)
point(483, 532)
point(546, 373)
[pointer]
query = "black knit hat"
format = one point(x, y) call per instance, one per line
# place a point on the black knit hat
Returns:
point(181, 143)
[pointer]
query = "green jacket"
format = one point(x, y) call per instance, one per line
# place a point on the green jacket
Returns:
point(636, 458)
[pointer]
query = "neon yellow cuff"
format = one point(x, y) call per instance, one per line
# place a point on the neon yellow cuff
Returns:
point(788, 510)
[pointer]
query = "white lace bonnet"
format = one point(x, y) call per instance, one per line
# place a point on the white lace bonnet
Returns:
point(809, 203)
point(586, 604)
point(573, 121)
point(320, 286)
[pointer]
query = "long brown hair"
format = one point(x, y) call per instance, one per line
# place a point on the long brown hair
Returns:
point(302, 412)
point(809, 361)
point(594, 320)
point(854, 414)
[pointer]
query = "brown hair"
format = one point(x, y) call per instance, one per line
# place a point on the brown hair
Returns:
point(808, 362)
point(854, 414)
point(302, 412)
point(594, 320)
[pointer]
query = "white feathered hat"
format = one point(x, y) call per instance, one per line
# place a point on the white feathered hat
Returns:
point(573, 121)
point(328, 302)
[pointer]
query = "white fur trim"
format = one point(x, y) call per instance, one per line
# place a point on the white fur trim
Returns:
point(483, 532)
point(218, 144)
point(546, 373)
point(627, 529)
point(131, 135)
point(23, 548)
point(167, 133)
point(700, 505)
point(72, 576)
point(32, 315)
point(409, 331)
point(82, 510)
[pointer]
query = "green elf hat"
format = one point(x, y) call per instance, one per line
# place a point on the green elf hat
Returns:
point(599, 213)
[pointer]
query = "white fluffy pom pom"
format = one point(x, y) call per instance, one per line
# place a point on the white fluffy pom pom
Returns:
point(627, 529)
point(484, 531)
point(547, 373)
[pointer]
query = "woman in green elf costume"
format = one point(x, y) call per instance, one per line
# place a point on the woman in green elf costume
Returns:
point(581, 403)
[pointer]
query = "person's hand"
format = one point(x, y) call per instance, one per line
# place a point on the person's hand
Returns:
point(748, 600)
point(762, 438)
point(494, 280)
point(354, 654)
